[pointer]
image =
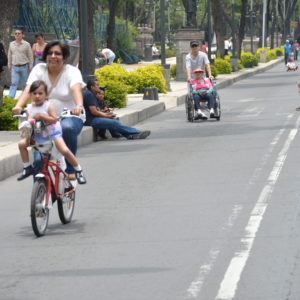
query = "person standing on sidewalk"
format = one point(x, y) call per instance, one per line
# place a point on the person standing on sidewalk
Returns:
point(106, 120)
point(20, 61)
point(195, 60)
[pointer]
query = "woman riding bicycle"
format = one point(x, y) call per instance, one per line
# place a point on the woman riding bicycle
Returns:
point(65, 91)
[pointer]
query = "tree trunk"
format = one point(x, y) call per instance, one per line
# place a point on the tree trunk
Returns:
point(9, 13)
point(218, 9)
point(112, 4)
point(91, 37)
point(242, 26)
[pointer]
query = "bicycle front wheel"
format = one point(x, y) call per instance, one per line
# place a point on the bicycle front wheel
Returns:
point(39, 213)
point(66, 205)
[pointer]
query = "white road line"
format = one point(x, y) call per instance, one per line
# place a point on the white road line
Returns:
point(232, 276)
point(196, 285)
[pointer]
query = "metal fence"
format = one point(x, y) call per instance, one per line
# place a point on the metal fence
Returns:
point(61, 18)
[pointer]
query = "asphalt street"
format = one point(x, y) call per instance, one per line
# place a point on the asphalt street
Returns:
point(205, 210)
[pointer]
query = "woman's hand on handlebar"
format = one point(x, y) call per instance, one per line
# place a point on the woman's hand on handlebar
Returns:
point(76, 111)
point(17, 110)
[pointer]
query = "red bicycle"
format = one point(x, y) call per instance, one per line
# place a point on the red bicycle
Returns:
point(51, 184)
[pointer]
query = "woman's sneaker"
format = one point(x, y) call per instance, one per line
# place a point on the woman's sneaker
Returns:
point(26, 173)
point(80, 177)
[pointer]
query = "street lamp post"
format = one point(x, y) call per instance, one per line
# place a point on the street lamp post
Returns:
point(263, 56)
point(209, 28)
point(162, 32)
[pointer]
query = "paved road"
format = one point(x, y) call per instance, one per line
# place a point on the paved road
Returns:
point(197, 211)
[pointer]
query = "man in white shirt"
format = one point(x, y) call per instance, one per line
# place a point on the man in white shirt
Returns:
point(20, 61)
point(195, 60)
point(109, 55)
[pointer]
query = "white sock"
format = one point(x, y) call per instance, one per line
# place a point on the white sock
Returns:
point(77, 168)
point(26, 164)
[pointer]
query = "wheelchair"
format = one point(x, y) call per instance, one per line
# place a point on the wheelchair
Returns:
point(190, 105)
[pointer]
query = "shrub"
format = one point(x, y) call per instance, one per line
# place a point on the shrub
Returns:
point(222, 66)
point(115, 93)
point(214, 71)
point(150, 76)
point(170, 52)
point(130, 82)
point(115, 78)
point(248, 60)
point(173, 71)
point(7, 121)
point(278, 51)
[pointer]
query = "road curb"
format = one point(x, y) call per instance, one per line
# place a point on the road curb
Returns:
point(10, 161)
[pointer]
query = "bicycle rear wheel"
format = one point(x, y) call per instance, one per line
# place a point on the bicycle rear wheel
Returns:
point(66, 204)
point(39, 213)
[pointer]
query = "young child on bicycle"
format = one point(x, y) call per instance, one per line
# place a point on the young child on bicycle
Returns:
point(41, 109)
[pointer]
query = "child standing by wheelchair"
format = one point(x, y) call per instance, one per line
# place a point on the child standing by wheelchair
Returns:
point(41, 109)
point(202, 89)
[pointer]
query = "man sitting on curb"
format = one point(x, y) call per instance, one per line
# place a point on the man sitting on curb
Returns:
point(106, 120)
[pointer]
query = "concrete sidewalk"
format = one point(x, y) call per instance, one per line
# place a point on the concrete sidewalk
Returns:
point(137, 110)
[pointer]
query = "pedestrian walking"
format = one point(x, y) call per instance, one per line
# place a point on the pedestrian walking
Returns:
point(196, 59)
point(20, 61)
point(38, 48)
point(295, 49)
point(287, 51)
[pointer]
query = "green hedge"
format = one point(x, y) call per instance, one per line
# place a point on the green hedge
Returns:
point(121, 82)
point(248, 60)
point(222, 66)
point(7, 121)
point(173, 70)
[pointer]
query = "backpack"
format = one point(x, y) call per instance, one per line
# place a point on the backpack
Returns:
point(3, 57)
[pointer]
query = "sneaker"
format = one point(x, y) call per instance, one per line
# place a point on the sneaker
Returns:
point(201, 116)
point(26, 172)
point(142, 135)
point(212, 113)
point(80, 177)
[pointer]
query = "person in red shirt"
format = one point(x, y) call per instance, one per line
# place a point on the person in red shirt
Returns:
point(202, 89)
point(203, 47)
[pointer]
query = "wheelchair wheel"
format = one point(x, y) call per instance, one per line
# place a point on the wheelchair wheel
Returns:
point(218, 108)
point(190, 108)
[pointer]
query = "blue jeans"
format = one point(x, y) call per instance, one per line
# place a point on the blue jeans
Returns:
point(115, 125)
point(111, 60)
point(208, 97)
point(71, 128)
point(18, 74)
point(286, 57)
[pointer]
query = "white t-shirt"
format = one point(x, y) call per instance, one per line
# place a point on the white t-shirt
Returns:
point(60, 96)
point(196, 62)
point(108, 53)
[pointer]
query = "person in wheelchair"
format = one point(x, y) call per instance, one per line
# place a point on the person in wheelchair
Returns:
point(202, 90)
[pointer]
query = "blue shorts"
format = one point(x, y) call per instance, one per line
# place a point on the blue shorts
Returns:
point(52, 132)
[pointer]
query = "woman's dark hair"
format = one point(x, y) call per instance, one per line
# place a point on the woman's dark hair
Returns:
point(36, 84)
point(64, 49)
point(39, 34)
